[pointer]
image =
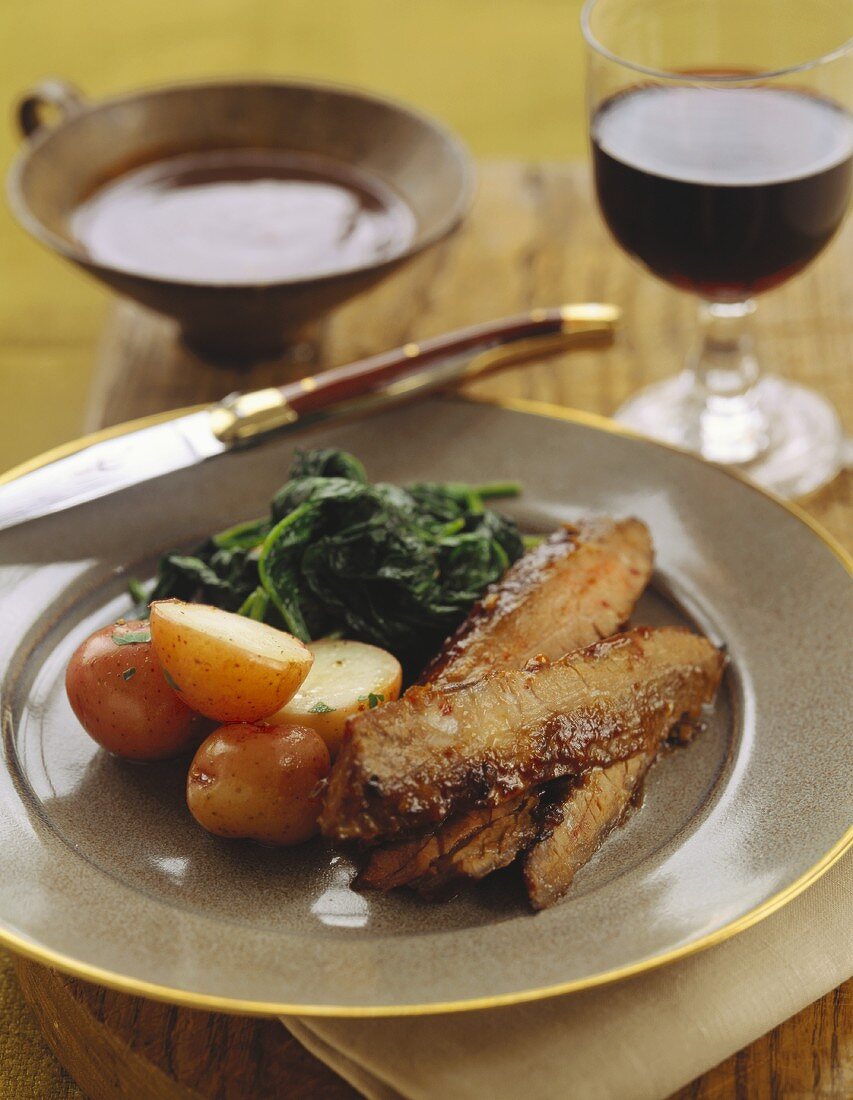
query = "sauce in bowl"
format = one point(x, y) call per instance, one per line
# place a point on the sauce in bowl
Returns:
point(243, 216)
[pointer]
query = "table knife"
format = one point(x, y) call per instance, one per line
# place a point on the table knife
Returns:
point(241, 419)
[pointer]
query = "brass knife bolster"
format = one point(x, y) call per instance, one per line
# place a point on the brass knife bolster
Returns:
point(242, 417)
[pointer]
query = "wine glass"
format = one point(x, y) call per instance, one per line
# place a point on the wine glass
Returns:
point(722, 146)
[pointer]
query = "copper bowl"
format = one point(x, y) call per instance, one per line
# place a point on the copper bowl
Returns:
point(88, 144)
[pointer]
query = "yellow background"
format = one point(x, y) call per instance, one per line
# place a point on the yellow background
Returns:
point(506, 74)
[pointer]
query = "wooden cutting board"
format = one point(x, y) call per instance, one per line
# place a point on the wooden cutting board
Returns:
point(533, 239)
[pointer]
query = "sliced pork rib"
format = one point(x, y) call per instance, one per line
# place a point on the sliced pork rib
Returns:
point(408, 766)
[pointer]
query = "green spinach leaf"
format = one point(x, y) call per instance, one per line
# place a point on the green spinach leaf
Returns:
point(396, 567)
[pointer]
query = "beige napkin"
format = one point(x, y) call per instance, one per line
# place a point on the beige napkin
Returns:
point(639, 1039)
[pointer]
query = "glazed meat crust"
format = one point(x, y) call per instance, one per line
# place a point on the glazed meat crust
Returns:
point(576, 587)
point(411, 764)
point(592, 574)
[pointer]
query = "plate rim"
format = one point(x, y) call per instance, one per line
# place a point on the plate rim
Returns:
point(24, 947)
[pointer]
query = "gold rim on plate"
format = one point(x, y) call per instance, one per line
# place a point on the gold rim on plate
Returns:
point(210, 1003)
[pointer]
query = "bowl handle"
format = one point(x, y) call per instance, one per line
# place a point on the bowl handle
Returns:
point(58, 94)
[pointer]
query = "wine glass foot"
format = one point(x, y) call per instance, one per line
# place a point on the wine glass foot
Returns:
point(792, 432)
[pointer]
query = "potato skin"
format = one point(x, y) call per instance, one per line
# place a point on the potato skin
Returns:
point(217, 663)
point(260, 782)
point(123, 701)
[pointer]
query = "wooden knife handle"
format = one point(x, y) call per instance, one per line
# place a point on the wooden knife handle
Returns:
point(443, 361)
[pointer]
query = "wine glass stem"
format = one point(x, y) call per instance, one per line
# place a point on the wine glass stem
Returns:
point(727, 423)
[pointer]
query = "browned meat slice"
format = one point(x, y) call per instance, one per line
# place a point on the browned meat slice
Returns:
point(407, 766)
point(495, 844)
point(596, 805)
point(472, 845)
point(577, 586)
point(406, 861)
point(579, 822)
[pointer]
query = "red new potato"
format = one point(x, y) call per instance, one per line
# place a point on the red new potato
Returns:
point(260, 782)
point(122, 699)
point(225, 666)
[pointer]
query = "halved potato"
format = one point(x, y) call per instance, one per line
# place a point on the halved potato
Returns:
point(346, 677)
point(226, 666)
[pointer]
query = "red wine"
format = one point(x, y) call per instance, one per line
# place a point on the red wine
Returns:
point(722, 191)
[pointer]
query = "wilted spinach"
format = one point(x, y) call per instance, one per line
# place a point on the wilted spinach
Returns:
point(396, 567)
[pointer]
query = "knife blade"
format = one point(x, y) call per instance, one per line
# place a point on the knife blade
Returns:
point(403, 374)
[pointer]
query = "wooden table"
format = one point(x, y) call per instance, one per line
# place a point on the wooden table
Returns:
point(533, 239)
